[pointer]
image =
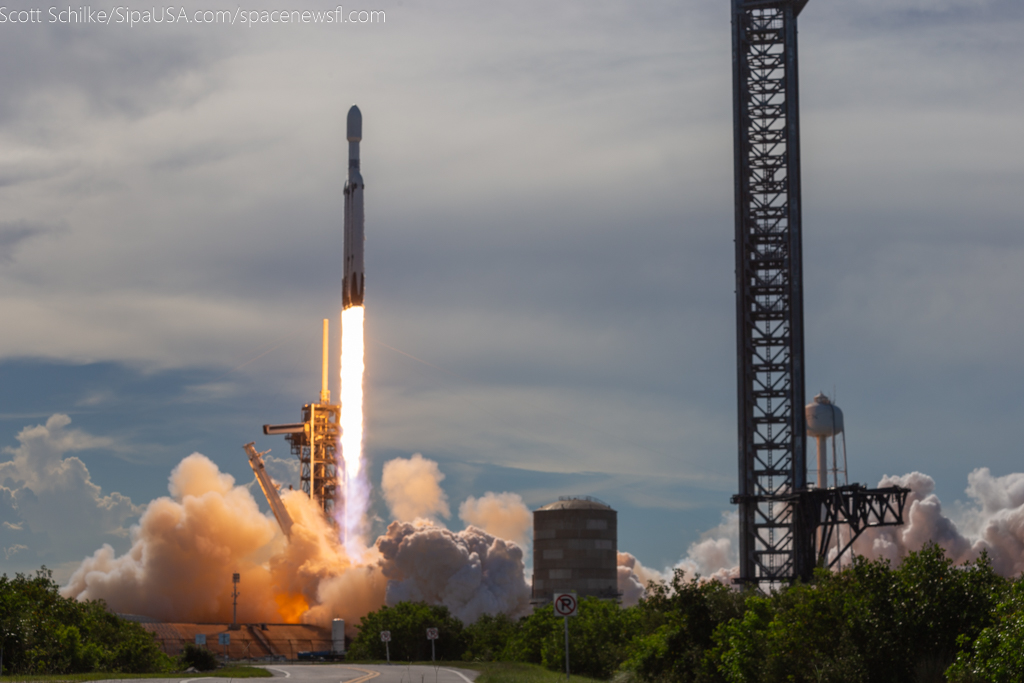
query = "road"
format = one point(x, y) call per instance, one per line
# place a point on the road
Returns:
point(347, 673)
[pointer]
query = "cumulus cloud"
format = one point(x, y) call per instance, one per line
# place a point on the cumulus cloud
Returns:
point(49, 503)
point(412, 489)
point(500, 514)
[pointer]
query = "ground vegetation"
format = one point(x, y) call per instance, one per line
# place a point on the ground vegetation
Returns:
point(925, 620)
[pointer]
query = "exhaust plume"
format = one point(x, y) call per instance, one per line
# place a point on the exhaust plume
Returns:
point(182, 551)
point(994, 523)
point(412, 489)
point(187, 544)
point(355, 497)
point(712, 558)
point(500, 514)
point(470, 572)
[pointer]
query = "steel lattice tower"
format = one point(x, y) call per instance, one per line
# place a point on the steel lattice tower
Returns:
point(785, 527)
point(769, 290)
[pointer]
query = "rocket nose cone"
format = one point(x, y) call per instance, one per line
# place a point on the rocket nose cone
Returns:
point(355, 124)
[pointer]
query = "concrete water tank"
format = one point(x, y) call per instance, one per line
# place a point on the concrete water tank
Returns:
point(575, 548)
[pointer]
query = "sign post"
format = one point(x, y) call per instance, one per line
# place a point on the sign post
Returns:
point(385, 637)
point(432, 637)
point(566, 606)
point(225, 640)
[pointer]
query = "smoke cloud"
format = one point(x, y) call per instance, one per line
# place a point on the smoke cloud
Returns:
point(183, 552)
point(713, 558)
point(994, 522)
point(500, 514)
point(187, 544)
point(412, 489)
point(471, 572)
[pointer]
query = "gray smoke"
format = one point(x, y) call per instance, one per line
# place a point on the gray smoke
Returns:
point(470, 572)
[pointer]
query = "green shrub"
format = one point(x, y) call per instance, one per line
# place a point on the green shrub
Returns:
point(408, 623)
point(44, 633)
point(198, 657)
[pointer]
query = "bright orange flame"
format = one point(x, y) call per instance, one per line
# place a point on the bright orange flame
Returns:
point(356, 487)
point(291, 606)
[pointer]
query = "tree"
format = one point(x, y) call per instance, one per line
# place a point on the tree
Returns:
point(598, 638)
point(868, 622)
point(487, 639)
point(44, 633)
point(408, 623)
point(997, 654)
point(678, 621)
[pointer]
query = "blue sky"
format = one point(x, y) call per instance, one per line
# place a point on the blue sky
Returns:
point(549, 228)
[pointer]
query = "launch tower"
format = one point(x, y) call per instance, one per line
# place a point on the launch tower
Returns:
point(314, 441)
point(781, 522)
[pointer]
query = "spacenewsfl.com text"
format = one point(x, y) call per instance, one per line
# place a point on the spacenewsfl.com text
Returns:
point(172, 14)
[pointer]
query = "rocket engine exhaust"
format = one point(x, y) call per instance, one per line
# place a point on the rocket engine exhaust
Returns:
point(352, 502)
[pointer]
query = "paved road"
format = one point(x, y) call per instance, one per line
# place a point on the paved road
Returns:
point(370, 673)
point(348, 673)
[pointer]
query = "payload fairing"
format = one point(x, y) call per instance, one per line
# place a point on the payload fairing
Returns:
point(354, 277)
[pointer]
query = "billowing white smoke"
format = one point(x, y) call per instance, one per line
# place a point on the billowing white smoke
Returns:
point(500, 514)
point(412, 489)
point(185, 547)
point(187, 544)
point(995, 523)
point(713, 557)
point(471, 572)
point(634, 577)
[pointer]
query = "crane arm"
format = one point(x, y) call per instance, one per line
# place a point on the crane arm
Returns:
point(269, 490)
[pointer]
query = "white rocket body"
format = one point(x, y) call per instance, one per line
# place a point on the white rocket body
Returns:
point(354, 281)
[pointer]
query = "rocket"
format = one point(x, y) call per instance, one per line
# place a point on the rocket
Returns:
point(354, 277)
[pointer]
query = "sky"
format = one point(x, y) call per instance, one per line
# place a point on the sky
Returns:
point(549, 225)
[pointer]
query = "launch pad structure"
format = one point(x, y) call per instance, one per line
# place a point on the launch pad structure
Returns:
point(315, 442)
point(785, 525)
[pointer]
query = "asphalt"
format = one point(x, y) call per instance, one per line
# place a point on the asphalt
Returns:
point(347, 673)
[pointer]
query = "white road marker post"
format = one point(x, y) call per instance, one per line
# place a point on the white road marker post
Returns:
point(432, 637)
point(565, 606)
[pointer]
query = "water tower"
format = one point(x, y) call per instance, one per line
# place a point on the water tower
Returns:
point(575, 548)
point(824, 421)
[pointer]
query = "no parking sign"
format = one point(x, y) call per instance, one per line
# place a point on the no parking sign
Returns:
point(566, 604)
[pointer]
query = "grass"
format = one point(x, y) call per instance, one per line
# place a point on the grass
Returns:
point(490, 672)
point(224, 672)
point(516, 672)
